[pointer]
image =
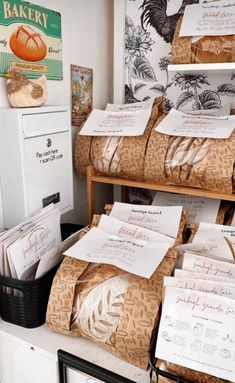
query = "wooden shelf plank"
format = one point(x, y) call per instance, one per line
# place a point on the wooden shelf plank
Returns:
point(218, 68)
point(166, 188)
point(93, 177)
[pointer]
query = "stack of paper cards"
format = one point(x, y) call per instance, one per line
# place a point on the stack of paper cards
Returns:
point(197, 324)
point(32, 248)
point(134, 238)
point(22, 246)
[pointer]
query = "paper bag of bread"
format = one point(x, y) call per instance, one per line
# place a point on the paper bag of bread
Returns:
point(202, 49)
point(115, 309)
point(199, 162)
point(115, 156)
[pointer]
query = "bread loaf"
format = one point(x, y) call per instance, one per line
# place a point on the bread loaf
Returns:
point(116, 156)
point(204, 49)
point(98, 314)
point(203, 163)
point(27, 44)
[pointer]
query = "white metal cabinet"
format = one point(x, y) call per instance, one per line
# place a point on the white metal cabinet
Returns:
point(35, 161)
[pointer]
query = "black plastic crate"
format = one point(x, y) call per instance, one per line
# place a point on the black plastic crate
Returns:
point(24, 303)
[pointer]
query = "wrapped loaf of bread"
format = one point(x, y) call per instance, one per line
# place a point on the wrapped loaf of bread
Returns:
point(202, 49)
point(117, 310)
point(190, 375)
point(202, 163)
point(116, 156)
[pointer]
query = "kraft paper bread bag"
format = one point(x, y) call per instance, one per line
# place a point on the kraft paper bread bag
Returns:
point(194, 162)
point(115, 156)
point(205, 49)
point(138, 311)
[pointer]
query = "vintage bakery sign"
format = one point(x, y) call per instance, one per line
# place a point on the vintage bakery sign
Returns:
point(30, 39)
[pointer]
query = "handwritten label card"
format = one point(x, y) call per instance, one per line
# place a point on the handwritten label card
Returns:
point(213, 19)
point(119, 123)
point(197, 331)
point(131, 107)
point(55, 255)
point(217, 247)
point(221, 288)
point(36, 242)
point(123, 229)
point(164, 219)
point(134, 256)
point(208, 266)
point(211, 230)
point(179, 273)
point(186, 125)
point(200, 209)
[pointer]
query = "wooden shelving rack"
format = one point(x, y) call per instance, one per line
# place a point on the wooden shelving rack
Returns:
point(92, 178)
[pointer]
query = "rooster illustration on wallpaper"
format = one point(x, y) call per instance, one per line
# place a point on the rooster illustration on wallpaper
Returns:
point(154, 13)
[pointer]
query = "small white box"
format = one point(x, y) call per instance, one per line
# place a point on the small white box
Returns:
point(35, 161)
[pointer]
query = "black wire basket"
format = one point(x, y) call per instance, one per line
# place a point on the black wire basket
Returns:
point(156, 373)
point(24, 303)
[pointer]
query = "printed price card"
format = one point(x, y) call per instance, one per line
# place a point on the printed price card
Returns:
point(123, 229)
point(197, 331)
point(180, 124)
point(200, 209)
point(164, 219)
point(208, 266)
point(116, 123)
point(210, 230)
point(134, 256)
point(215, 19)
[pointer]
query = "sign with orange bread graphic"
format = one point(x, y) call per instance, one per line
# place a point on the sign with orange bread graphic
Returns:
point(30, 39)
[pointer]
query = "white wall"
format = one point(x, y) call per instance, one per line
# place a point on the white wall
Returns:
point(87, 38)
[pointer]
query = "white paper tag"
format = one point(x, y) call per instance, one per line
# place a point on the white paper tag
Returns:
point(215, 19)
point(211, 230)
point(114, 226)
point(134, 256)
point(223, 111)
point(185, 125)
point(208, 266)
point(218, 247)
point(120, 123)
point(200, 209)
point(132, 107)
point(26, 251)
point(21, 228)
point(220, 288)
point(164, 219)
point(179, 273)
point(55, 255)
point(197, 331)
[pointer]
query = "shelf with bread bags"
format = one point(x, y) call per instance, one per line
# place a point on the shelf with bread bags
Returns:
point(93, 177)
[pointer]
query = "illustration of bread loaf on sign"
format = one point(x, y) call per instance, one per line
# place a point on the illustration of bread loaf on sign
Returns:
point(27, 44)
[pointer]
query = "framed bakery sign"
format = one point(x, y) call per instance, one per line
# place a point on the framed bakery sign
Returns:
point(30, 39)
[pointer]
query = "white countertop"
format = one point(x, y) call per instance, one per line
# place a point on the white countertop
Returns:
point(43, 340)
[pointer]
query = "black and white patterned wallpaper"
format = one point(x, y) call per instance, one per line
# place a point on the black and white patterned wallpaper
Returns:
point(149, 30)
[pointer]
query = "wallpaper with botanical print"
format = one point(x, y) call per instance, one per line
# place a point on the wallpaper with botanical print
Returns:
point(149, 30)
